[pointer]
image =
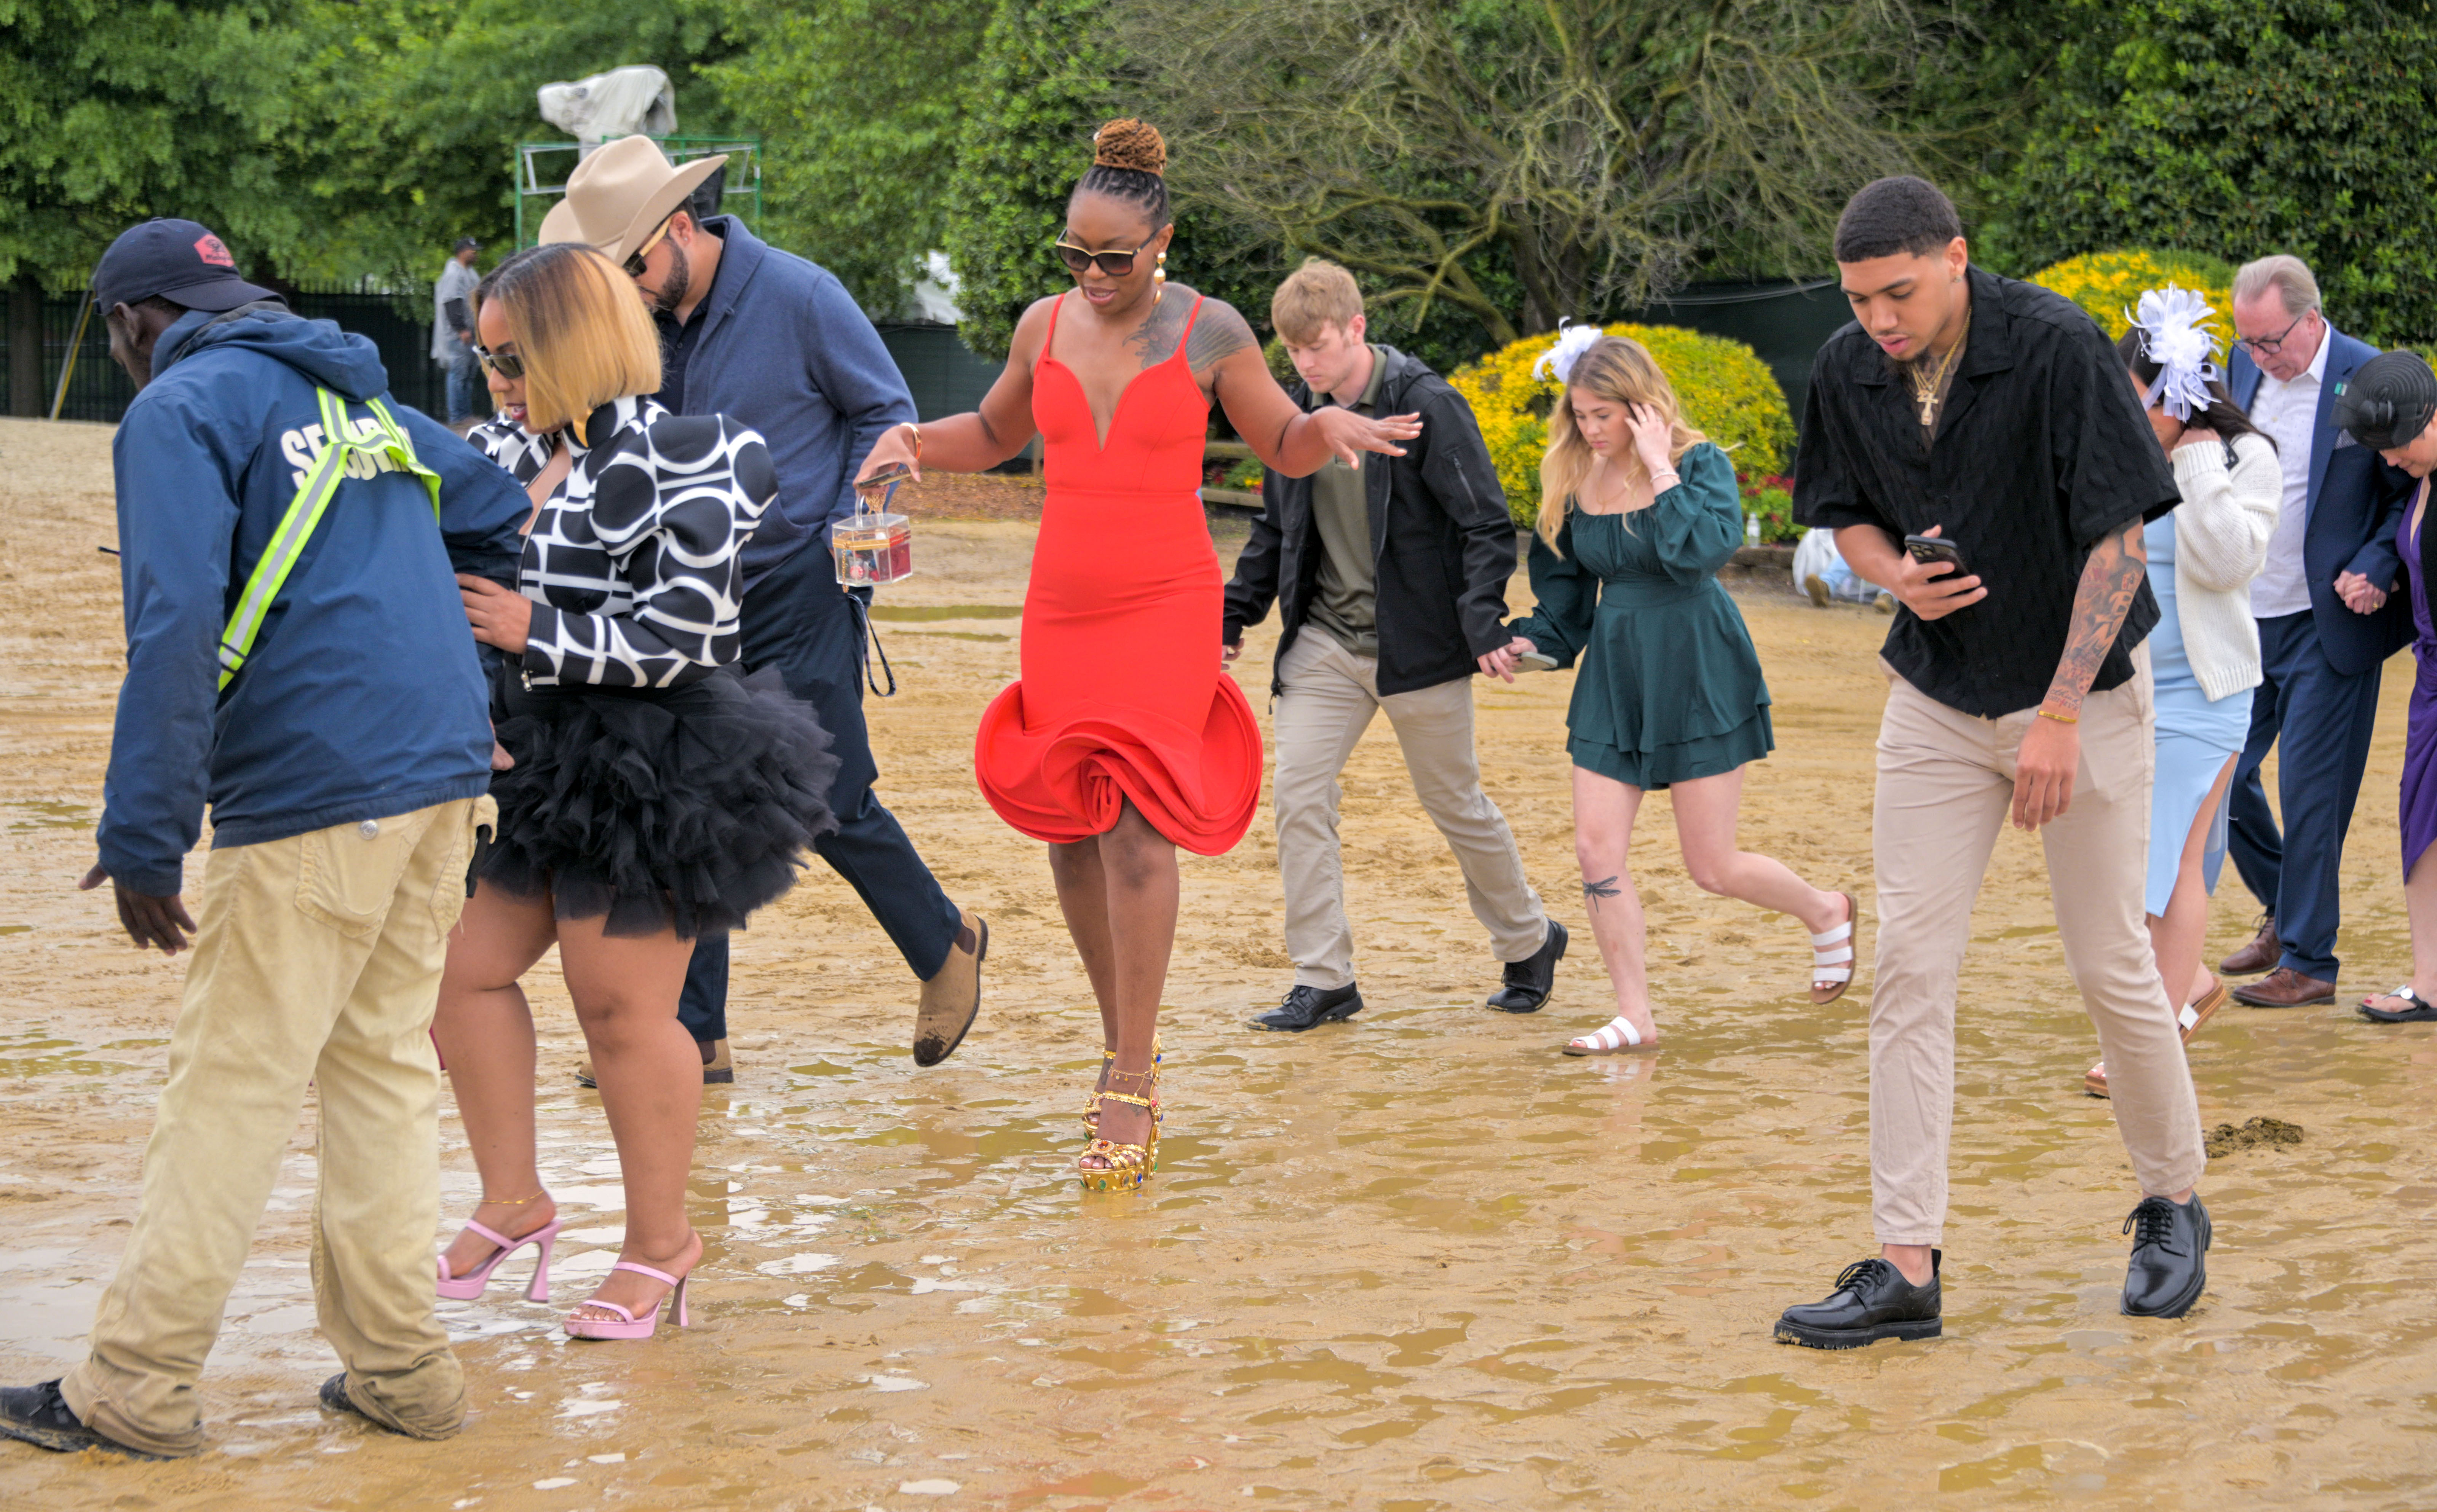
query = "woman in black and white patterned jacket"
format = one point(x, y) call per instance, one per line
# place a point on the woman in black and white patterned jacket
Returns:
point(652, 797)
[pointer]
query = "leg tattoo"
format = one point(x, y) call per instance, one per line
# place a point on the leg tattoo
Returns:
point(1604, 887)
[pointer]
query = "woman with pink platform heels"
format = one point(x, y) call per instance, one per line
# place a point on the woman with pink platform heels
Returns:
point(651, 796)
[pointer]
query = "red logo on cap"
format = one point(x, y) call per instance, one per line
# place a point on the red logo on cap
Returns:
point(211, 251)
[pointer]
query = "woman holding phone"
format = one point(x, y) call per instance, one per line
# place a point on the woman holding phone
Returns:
point(1637, 512)
point(1125, 739)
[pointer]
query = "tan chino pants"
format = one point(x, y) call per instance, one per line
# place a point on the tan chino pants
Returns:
point(1945, 784)
point(317, 960)
point(1329, 697)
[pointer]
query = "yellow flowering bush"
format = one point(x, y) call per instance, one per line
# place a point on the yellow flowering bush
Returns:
point(1726, 392)
point(2108, 284)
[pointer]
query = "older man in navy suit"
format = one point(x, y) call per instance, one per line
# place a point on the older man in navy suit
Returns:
point(2328, 619)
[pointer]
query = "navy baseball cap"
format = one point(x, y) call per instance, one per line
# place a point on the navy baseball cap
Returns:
point(179, 261)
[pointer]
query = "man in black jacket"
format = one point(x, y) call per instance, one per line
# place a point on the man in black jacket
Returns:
point(1401, 569)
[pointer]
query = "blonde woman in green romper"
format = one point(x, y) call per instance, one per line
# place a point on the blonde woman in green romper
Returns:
point(1638, 513)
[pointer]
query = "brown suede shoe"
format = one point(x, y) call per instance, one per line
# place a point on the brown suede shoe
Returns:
point(952, 998)
point(2261, 954)
point(2285, 988)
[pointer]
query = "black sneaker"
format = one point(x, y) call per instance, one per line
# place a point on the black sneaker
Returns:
point(2169, 1265)
point(1303, 1007)
point(1528, 980)
point(1872, 1301)
point(40, 1417)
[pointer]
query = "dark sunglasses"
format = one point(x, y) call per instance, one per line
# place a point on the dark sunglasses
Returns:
point(634, 262)
point(506, 364)
point(1114, 264)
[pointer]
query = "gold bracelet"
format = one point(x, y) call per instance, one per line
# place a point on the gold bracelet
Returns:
point(2060, 718)
point(917, 437)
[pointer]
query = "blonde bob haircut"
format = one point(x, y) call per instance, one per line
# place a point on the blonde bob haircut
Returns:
point(581, 330)
point(1620, 370)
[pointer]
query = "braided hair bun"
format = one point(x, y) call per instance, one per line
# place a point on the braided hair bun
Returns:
point(1128, 158)
point(1130, 143)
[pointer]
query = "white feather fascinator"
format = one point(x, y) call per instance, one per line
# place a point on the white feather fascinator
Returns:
point(2172, 337)
point(1572, 341)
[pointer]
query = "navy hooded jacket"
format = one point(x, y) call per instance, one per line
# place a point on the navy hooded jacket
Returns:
point(362, 698)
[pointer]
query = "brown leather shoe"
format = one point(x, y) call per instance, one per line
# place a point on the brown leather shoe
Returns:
point(952, 998)
point(2261, 954)
point(2285, 988)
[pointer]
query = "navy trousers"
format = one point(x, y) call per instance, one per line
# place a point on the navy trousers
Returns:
point(2321, 721)
point(798, 621)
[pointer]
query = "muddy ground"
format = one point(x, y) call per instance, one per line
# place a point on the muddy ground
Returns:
point(1419, 1260)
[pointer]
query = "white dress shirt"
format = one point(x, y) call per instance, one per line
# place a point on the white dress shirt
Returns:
point(2288, 409)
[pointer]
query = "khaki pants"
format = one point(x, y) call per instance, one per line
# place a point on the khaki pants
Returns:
point(317, 961)
point(1946, 780)
point(1329, 697)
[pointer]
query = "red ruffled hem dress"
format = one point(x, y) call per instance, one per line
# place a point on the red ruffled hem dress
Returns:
point(1122, 695)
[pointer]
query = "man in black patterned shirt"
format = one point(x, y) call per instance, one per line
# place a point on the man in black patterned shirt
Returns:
point(1991, 418)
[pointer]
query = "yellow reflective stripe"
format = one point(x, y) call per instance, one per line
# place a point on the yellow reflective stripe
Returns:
point(288, 542)
point(404, 450)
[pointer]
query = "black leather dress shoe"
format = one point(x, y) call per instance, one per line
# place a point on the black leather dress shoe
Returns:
point(1872, 1301)
point(1528, 980)
point(40, 1417)
point(2170, 1266)
point(1306, 1006)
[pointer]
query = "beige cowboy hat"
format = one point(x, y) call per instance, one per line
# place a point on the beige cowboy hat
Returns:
point(620, 195)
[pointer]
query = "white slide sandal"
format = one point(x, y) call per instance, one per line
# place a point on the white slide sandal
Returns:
point(1616, 1037)
point(1831, 954)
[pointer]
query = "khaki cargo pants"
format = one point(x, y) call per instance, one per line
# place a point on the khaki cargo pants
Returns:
point(317, 961)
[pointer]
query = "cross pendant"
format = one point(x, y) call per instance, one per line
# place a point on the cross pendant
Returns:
point(1928, 402)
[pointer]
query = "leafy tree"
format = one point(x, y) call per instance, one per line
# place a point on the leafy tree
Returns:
point(1595, 151)
point(1039, 88)
point(116, 110)
point(860, 107)
point(2238, 130)
point(415, 107)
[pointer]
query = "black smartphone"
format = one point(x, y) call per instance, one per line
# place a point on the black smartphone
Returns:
point(1936, 548)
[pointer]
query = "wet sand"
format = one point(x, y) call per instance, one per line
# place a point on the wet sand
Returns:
point(1418, 1261)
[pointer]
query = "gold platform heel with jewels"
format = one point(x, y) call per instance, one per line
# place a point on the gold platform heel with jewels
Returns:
point(1124, 1166)
point(1107, 1059)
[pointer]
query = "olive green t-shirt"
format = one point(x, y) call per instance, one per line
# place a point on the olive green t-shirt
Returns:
point(1343, 601)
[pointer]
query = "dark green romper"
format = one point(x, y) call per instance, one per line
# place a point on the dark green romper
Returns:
point(1670, 688)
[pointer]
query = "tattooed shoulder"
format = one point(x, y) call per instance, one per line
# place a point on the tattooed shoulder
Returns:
point(1155, 338)
point(1220, 334)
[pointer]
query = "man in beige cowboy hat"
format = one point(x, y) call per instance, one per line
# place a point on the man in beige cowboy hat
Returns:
point(776, 342)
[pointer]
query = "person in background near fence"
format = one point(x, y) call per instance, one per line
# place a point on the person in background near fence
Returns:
point(1638, 513)
point(1124, 737)
point(452, 331)
point(777, 343)
point(2326, 627)
point(335, 723)
point(1989, 413)
point(2390, 405)
point(2204, 654)
point(1391, 583)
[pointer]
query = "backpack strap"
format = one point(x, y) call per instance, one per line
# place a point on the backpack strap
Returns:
point(342, 443)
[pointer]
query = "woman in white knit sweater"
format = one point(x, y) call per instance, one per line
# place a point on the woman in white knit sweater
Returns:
point(2204, 658)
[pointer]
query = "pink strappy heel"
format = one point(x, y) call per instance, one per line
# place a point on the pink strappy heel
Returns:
point(632, 1326)
point(469, 1286)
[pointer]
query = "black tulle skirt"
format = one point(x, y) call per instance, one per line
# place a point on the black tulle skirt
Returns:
point(684, 808)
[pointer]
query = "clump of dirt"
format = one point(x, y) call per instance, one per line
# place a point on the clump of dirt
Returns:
point(2258, 1134)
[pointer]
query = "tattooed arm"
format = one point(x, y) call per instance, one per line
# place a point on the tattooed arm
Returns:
point(1227, 360)
point(2051, 752)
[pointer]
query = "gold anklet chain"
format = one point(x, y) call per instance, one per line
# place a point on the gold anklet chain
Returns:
point(512, 1202)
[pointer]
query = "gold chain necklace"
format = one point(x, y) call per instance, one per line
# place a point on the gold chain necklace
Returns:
point(1925, 390)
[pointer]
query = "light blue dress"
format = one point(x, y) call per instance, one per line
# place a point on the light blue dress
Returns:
point(2195, 734)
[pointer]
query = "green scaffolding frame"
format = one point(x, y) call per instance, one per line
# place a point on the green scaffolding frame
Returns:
point(537, 164)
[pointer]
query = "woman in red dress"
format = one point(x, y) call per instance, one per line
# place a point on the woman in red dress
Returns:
point(1124, 739)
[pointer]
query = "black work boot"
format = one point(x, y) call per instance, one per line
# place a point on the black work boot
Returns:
point(2170, 1266)
point(40, 1417)
point(1303, 1007)
point(1528, 980)
point(1872, 1301)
